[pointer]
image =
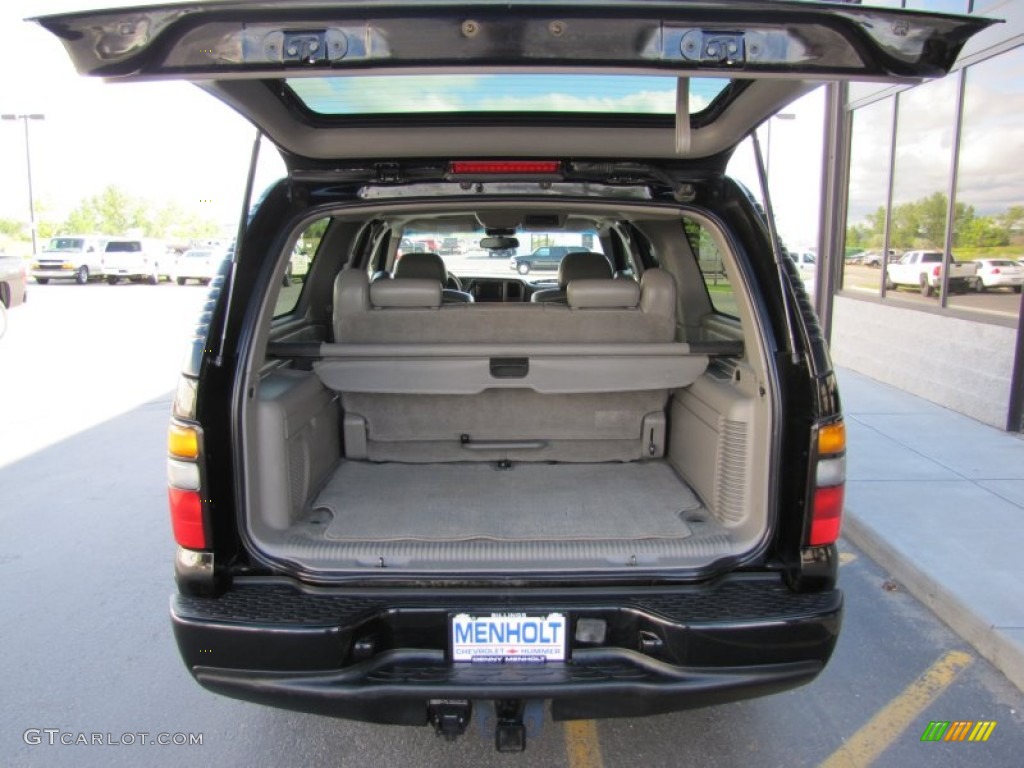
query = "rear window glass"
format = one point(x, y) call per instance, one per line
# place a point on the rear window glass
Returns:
point(501, 93)
point(712, 267)
point(299, 263)
point(538, 253)
point(124, 246)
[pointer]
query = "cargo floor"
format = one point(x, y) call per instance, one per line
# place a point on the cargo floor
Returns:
point(480, 516)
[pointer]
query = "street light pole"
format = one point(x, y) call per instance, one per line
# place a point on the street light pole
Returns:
point(28, 166)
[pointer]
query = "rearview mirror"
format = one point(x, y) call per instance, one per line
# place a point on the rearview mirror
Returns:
point(498, 243)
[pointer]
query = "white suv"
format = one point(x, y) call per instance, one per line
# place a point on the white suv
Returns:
point(135, 259)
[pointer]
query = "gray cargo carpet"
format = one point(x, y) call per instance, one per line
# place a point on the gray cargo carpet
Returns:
point(528, 502)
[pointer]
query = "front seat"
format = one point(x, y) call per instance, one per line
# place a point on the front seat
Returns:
point(429, 266)
point(580, 265)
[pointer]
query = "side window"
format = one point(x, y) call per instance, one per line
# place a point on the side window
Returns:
point(712, 267)
point(299, 265)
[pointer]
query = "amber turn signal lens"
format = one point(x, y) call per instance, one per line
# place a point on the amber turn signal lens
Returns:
point(183, 442)
point(832, 438)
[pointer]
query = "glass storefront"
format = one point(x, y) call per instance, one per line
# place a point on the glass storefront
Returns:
point(986, 220)
point(870, 158)
point(990, 184)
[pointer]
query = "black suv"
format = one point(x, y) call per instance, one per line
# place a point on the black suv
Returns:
point(545, 257)
point(402, 495)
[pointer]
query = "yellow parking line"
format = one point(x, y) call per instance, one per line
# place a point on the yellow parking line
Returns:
point(874, 737)
point(581, 744)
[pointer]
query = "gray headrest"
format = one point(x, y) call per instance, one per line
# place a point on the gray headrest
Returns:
point(351, 291)
point(603, 294)
point(585, 265)
point(405, 293)
point(421, 266)
point(658, 293)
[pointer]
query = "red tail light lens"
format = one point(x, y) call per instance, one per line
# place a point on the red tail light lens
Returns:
point(187, 518)
point(935, 271)
point(995, 270)
point(505, 167)
point(827, 517)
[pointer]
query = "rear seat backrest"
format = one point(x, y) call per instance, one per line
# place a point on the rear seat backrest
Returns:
point(629, 313)
point(434, 411)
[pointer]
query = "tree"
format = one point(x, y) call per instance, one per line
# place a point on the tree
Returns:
point(114, 212)
point(175, 223)
point(14, 228)
point(983, 232)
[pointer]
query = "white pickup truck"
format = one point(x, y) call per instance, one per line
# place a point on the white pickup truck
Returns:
point(923, 270)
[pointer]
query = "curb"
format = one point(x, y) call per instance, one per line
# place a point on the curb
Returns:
point(1003, 652)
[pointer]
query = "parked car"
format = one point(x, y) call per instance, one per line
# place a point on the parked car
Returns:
point(805, 261)
point(999, 273)
point(13, 280)
point(395, 508)
point(13, 288)
point(136, 259)
point(450, 247)
point(546, 257)
point(200, 264)
point(874, 258)
point(923, 270)
point(70, 257)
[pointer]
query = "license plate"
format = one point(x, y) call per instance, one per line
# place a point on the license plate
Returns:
point(509, 638)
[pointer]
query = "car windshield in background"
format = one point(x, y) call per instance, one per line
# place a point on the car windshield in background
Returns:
point(65, 244)
point(515, 93)
point(464, 256)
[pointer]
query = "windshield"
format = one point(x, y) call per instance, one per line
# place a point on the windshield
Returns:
point(541, 251)
point(517, 93)
point(66, 244)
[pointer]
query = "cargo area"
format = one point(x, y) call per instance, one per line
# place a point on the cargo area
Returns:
point(604, 419)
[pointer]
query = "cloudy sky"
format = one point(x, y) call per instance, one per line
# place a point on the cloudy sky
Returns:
point(172, 142)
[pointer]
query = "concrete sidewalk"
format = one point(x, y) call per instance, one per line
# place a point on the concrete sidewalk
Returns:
point(937, 499)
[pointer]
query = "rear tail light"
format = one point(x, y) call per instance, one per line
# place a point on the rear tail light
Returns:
point(828, 483)
point(187, 518)
point(995, 270)
point(184, 485)
point(935, 270)
point(505, 167)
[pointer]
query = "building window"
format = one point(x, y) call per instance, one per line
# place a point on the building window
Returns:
point(990, 184)
point(870, 155)
point(925, 130)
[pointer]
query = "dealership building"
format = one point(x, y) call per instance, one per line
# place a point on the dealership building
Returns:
point(937, 166)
